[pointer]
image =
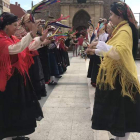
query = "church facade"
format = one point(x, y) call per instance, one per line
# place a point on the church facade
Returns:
point(80, 11)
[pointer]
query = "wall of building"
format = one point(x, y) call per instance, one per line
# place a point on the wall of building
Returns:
point(95, 11)
point(1, 7)
point(107, 4)
point(95, 8)
point(6, 5)
point(17, 10)
point(52, 10)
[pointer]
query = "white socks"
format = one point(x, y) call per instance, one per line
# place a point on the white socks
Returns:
point(52, 78)
point(123, 138)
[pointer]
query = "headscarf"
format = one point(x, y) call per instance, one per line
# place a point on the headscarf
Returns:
point(7, 19)
point(27, 18)
point(123, 10)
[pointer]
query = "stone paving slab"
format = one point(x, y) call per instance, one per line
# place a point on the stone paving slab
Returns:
point(67, 113)
point(68, 109)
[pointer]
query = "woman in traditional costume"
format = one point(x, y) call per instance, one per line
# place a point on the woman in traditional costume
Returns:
point(74, 43)
point(63, 54)
point(36, 70)
point(117, 96)
point(19, 107)
point(102, 36)
point(54, 70)
point(44, 57)
point(91, 36)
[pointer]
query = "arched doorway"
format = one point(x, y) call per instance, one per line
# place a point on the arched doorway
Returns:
point(80, 21)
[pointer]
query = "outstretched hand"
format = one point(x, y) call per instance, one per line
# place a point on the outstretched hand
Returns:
point(34, 27)
point(93, 45)
point(44, 36)
point(90, 51)
point(46, 42)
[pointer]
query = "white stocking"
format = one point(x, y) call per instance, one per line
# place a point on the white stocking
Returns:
point(52, 78)
point(123, 138)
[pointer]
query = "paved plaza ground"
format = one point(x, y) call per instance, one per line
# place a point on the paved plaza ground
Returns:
point(68, 107)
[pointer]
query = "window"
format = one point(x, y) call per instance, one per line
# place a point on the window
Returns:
point(81, 1)
point(6, 5)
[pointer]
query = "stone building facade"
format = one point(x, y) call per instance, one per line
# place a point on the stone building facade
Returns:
point(6, 5)
point(80, 11)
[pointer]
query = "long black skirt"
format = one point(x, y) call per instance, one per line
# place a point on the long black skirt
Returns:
point(37, 77)
point(67, 58)
point(19, 108)
point(95, 68)
point(54, 70)
point(44, 58)
point(62, 60)
point(115, 113)
point(90, 66)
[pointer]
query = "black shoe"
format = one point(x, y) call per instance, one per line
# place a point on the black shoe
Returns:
point(112, 139)
point(52, 83)
point(21, 138)
point(59, 76)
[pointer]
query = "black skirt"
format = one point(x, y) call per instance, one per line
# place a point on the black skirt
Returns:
point(90, 66)
point(37, 77)
point(54, 70)
point(19, 108)
point(44, 58)
point(115, 113)
point(67, 58)
point(95, 68)
point(64, 62)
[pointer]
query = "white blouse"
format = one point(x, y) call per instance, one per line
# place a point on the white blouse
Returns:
point(102, 47)
point(103, 37)
point(26, 41)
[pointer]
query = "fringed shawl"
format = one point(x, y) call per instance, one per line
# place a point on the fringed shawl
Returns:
point(8, 63)
point(125, 67)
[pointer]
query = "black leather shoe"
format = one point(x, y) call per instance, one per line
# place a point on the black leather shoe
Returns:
point(53, 83)
point(58, 76)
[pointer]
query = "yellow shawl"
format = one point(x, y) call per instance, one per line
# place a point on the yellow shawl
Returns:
point(124, 66)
